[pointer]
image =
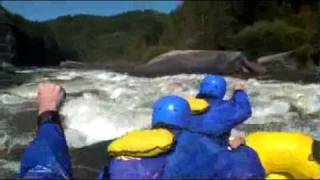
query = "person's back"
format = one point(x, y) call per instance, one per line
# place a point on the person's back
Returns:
point(170, 113)
point(207, 139)
point(222, 115)
point(217, 117)
point(240, 163)
point(208, 157)
point(194, 157)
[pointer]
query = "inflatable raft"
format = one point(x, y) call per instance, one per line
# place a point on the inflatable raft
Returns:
point(285, 155)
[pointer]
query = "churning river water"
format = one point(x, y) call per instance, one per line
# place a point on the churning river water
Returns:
point(103, 105)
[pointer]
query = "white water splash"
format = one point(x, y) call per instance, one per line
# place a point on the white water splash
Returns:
point(10, 99)
point(12, 166)
point(106, 105)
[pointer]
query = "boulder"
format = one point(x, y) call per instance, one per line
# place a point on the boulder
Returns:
point(199, 61)
point(284, 61)
point(285, 66)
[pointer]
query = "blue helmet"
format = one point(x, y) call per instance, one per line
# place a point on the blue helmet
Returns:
point(171, 110)
point(213, 86)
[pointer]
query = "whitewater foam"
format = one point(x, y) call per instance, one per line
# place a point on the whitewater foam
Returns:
point(108, 104)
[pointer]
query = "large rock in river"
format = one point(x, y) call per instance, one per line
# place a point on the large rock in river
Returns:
point(199, 61)
point(286, 66)
point(279, 62)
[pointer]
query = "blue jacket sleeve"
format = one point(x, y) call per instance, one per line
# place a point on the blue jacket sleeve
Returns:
point(47, 156)
point(242, 105)
point(223, 116)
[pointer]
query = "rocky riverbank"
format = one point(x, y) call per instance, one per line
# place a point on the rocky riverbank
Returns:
point(282, 66)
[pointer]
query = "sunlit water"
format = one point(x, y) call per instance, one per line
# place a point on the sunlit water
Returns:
point(103, 105)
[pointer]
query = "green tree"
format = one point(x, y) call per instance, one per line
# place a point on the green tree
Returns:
point(267, 37)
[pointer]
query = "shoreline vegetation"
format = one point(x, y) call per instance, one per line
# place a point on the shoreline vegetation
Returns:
point(127, 41)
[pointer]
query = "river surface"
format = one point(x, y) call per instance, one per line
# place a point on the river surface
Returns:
point(103, 105)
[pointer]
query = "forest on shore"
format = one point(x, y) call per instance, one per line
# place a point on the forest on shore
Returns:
point(256, 28)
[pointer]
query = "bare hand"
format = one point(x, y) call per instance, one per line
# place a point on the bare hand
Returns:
point(235, 142)
point(239, 85)
point(237, 137)
point(49, 97)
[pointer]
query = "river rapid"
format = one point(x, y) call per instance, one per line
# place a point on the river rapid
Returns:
point(103, 105)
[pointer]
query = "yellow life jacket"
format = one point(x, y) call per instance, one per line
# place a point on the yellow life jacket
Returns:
point(285, 153)
point(142, 143)
point(197, 105)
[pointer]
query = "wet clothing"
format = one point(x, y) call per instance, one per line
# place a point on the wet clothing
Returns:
point(203, 153)
point(222, 115)
point(201, 149)
point(186, 159)
point(240, 163)
point(199, 156)
point(47, 156)
point(146, 168)
point(218, 121)
point(193, 157)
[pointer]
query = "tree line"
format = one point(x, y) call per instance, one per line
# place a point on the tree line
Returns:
point(256, 28)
